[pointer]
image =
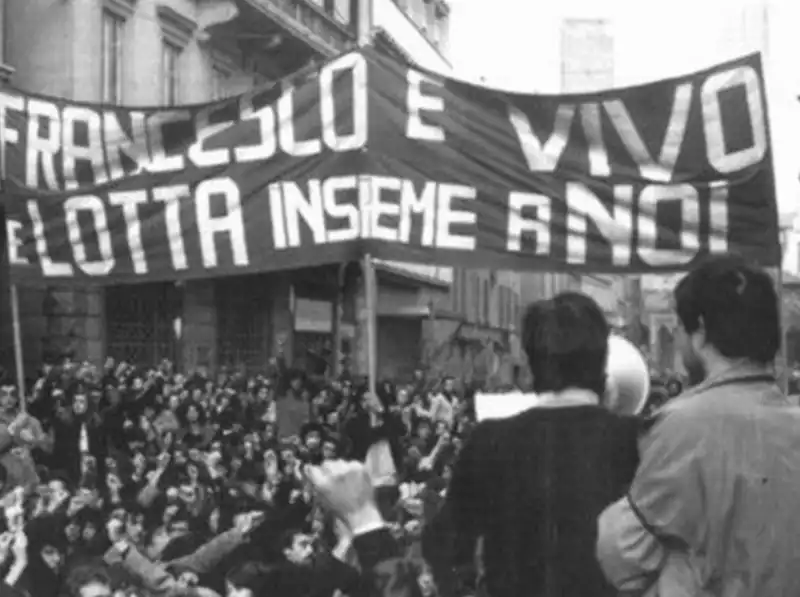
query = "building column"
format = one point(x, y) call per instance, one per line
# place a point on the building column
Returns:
point(198, 341)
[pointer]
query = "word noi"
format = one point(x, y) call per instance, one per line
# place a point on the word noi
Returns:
point(52, 143)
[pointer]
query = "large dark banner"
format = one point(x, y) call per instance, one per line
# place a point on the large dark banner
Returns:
point(367, 155)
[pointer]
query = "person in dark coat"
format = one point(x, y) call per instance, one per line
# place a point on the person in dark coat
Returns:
point(532, 485)
point(78, 431)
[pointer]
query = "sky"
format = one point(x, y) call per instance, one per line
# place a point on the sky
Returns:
point(514, 45)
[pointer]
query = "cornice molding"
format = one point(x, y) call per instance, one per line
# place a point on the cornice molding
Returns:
point(123, 8)
point(6, 72)
point(223, 60)
point(176, 28)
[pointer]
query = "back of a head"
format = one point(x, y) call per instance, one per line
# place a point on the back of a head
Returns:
point(736, 304)
point(257, 578)
point(566, 340)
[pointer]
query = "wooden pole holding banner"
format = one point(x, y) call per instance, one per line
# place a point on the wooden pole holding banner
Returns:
point(368, 270)
point(371, 308)
point(19, 363)
point(13, 295)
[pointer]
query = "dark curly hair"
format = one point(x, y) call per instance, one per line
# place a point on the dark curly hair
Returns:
point(566, 340)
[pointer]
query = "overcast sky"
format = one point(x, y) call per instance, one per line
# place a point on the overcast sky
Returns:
point(515, 44)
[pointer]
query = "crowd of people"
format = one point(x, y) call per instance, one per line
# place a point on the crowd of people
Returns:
point(145, 482)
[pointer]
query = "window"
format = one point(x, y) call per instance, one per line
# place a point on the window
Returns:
point(487, 302)
point(475, 297)
point(111, 57)
point(516, 324)
point(3, 32)
point(463, 291)
point(341, 11)
point(430, 19)
point(244, 322)
point(502, 307)
point(170, 71)
point(455, 298)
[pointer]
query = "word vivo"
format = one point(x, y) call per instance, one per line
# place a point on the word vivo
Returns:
point(544, 156)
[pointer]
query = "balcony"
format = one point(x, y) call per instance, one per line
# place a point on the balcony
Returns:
point(393, 20)
point(282, 36)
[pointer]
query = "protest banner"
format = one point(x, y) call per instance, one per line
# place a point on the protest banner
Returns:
point(368, 155)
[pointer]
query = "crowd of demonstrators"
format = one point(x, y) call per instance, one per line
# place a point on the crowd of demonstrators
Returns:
point(146, 482)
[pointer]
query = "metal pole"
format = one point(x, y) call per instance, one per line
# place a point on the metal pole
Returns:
point(371, 302)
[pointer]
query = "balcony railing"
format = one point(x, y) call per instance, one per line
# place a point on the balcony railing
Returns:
point(311, 23)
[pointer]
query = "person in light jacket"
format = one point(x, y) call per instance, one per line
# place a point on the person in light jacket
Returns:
point(172, 578)
point(20, 433)
point(712, 511)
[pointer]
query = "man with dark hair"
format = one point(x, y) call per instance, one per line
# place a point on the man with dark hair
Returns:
point(532, 485)
point(711, 510)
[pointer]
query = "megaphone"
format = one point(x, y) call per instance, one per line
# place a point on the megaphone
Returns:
point(627, 386)
point(627, 378)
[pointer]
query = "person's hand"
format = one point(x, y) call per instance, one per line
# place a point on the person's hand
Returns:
point(114, 482)
point(57, 498)
point(414, 506)
point(163, 461)
point(116, 530)
point(426, 464)
point(76, 504)
point(248, 521)
point(6, 541)
point(413, 528)
point(345, 489)
point(19, 422)
point(20, 547)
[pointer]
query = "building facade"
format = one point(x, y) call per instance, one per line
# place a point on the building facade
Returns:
point(418, 29)
point(169, 52)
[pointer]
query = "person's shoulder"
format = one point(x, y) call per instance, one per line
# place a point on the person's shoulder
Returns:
point(488, 431)
point(624, 424)
point(683, 421)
